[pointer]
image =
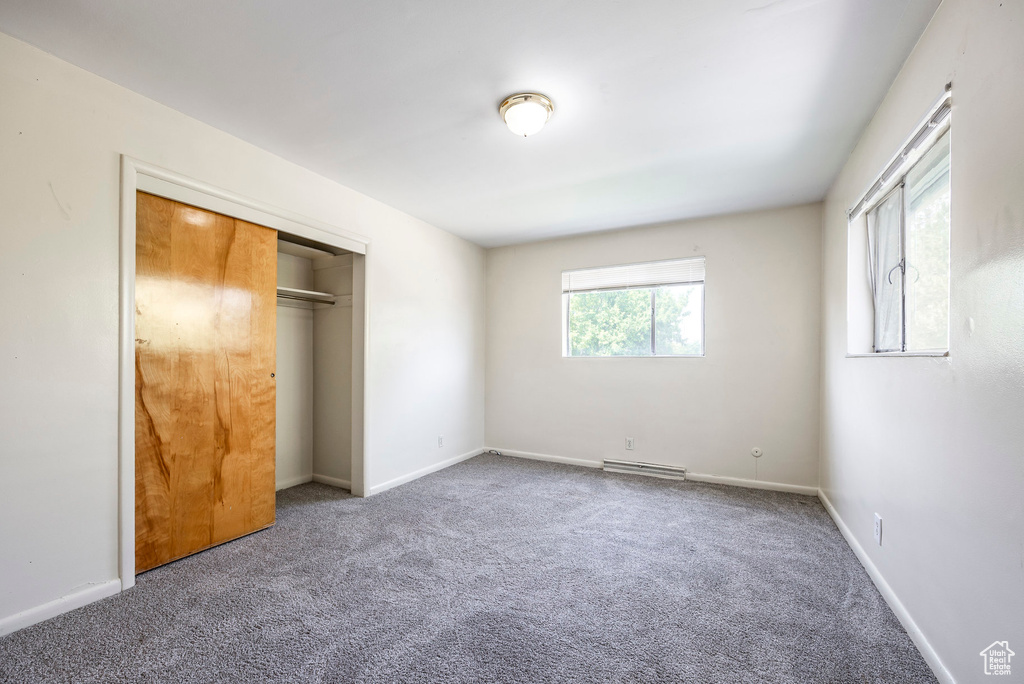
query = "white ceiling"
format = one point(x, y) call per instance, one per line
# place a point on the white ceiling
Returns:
point(664, 109)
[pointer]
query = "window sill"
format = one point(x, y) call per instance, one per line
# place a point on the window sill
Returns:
point(658, 356)
point(926, 354)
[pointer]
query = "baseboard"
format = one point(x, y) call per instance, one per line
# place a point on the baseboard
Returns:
point(76, 599)
point(416, 474)
point(293, 481)
point(752, 484)
point(919, 639)
point(695, 477)
point(332, 481)
point(586, 463)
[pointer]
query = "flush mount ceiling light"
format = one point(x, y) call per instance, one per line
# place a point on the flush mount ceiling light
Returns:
point(526, 113)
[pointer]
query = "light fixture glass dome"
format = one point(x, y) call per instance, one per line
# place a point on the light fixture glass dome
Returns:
point(526, 113)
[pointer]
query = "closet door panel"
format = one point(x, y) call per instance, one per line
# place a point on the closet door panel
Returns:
point(262, 386)
point(154, 386)
point(203, 336)
point(232, 445)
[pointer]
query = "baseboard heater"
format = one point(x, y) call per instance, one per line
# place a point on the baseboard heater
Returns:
point(638, 468)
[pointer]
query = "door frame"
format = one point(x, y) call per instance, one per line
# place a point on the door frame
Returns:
point(138, 175)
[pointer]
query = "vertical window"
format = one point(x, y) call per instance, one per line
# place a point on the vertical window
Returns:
point(898, 247)
point(927, 251)
point(908, 240)
point(647, 309)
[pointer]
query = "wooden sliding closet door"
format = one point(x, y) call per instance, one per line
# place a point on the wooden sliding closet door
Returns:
point(205, 350)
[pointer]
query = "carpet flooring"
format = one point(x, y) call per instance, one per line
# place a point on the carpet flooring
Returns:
point(498, 570)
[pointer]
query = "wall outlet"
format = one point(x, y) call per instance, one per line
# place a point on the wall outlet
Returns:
point(440, 441)
point(630, 443)
point(878, 529)
point(757, 452)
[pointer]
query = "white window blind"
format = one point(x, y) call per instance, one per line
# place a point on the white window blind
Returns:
point(650, 274)
point(928, 131)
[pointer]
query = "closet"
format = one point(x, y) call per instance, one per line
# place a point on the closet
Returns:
point(243, 350)
point(314, 361)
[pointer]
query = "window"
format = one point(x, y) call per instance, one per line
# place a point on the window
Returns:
point(908, 235)
point(649, 309)
point(905, 222)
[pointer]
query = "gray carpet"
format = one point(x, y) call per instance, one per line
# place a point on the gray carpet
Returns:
point(498, 570)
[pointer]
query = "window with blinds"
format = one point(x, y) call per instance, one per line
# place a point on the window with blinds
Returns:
point(648, 309)
point(904, 218)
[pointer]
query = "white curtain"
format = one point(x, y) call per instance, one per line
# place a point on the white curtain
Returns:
point(886, 270)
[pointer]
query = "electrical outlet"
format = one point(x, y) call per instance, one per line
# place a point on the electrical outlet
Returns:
point(757, 452)
point(878, 529)
point(440, 441)
point(630, 443)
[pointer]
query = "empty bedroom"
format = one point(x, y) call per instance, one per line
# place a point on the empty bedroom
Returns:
point(530, 341)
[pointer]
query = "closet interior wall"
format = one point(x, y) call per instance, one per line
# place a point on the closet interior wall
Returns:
point(332, 361)
point(314, 370)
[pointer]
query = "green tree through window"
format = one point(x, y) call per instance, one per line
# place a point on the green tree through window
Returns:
point(618, 322)
point(678, 324)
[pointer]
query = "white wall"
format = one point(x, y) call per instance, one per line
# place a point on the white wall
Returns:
point(294, 375)
point(757, 385)
point(61, 133)
point(936, 446)
point(332, 358)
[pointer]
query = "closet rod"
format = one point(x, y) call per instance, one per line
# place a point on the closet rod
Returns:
point(305, 295)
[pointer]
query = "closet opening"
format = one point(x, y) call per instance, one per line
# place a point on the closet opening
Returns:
point(314, 364)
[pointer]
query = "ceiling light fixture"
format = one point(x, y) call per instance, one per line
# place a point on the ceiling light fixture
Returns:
point(526, 113)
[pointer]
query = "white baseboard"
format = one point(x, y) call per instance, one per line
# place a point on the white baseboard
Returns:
point(586, 463)
point(293, 481)
point(76, 599)
point(416, 474)
point(695, 477)
point(752, 484)
point(919, 639)
point(332, 481)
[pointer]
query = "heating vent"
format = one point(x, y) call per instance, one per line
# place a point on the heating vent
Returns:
point(637, 468)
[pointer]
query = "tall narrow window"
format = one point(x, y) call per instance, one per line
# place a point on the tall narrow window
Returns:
point(927, 250)
point(908, 240)
point(647, 309)
point(898, 247)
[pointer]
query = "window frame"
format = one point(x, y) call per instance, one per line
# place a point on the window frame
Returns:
point(923, 139)
point(566, 312)
point(905, 201)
